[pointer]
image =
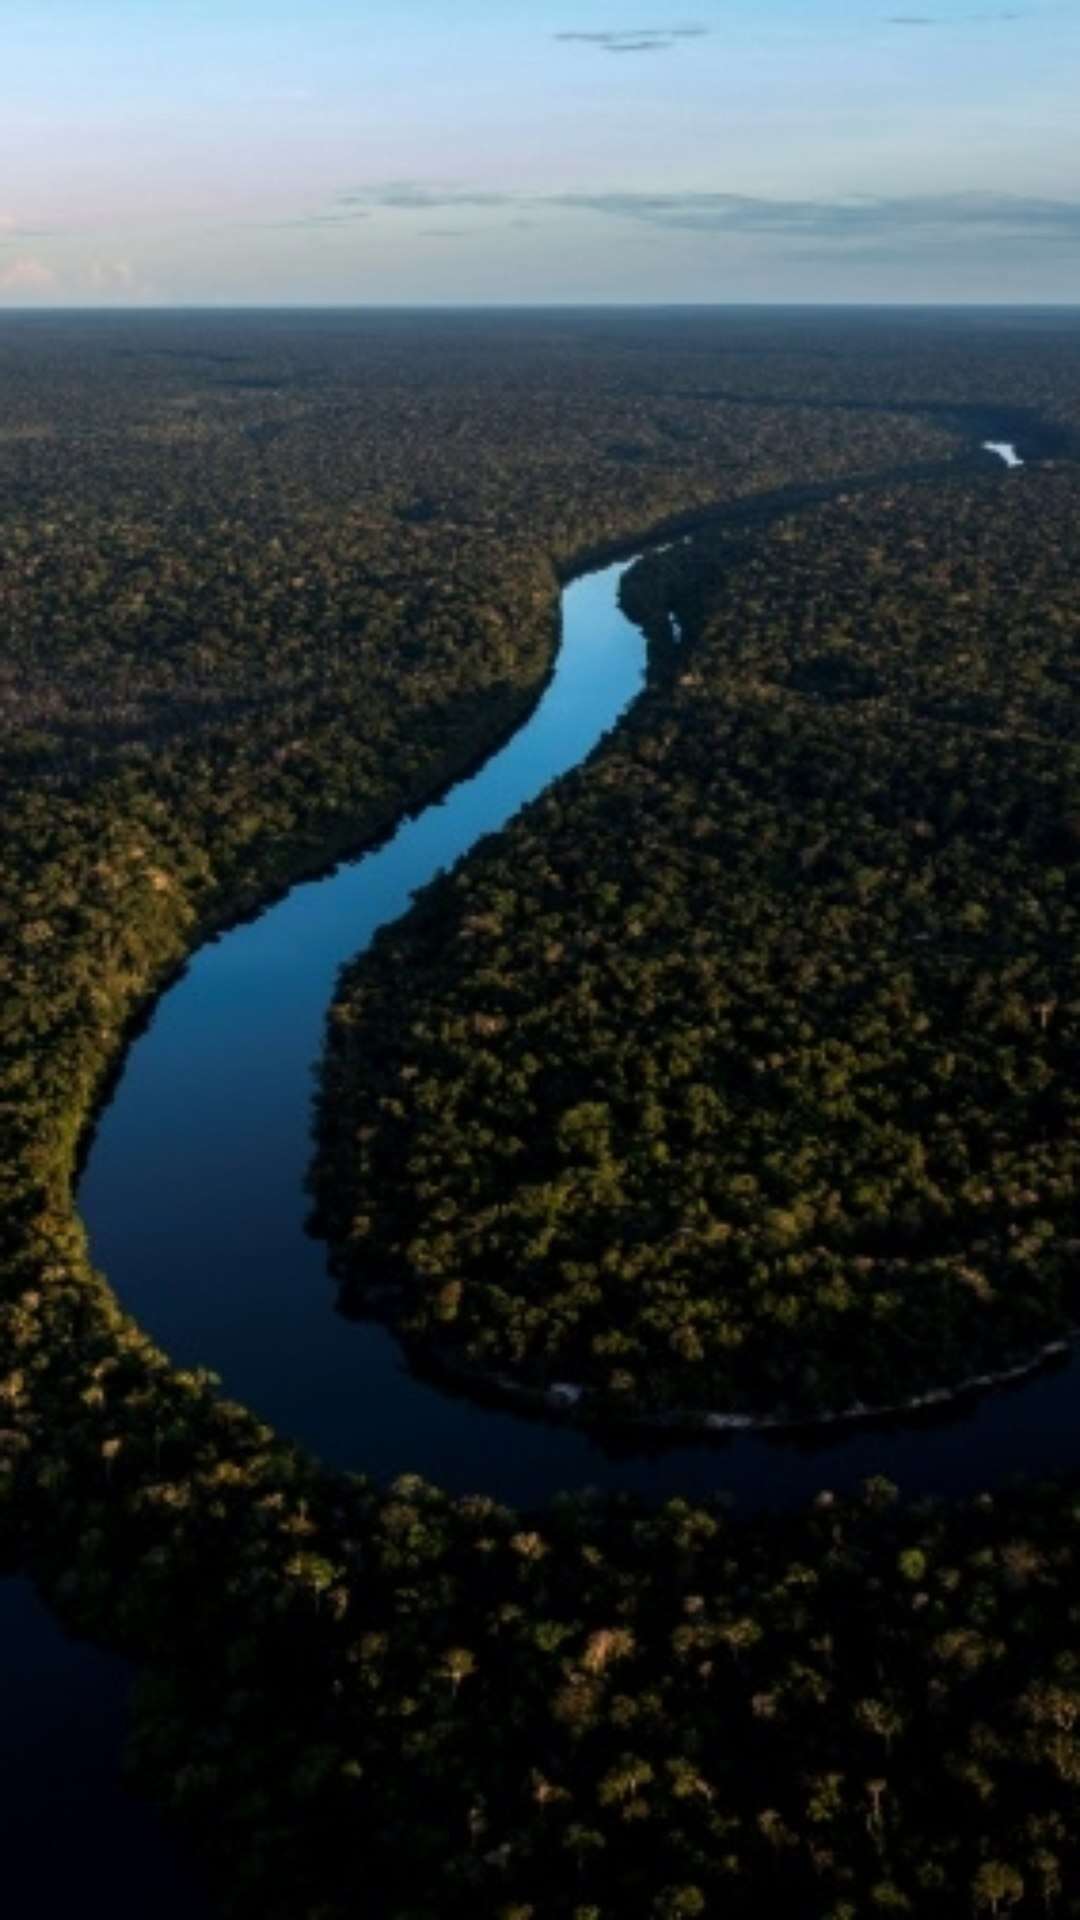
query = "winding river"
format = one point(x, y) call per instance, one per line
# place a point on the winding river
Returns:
point(193, 1192)
point(193, 1197)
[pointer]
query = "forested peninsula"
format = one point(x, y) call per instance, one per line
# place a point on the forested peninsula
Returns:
point(740, 1073)
point(265, 585)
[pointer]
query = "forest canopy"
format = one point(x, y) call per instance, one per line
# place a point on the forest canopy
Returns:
point(740, 1072)
point(267, 582)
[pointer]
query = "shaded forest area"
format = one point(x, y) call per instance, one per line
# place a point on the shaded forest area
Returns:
point(264, 583)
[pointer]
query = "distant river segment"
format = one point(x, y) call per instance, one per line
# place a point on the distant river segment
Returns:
point(1005, 450)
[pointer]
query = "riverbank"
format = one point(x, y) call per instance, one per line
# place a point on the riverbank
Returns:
point(573, 1404)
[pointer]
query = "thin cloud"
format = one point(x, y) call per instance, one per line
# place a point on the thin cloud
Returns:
point(830, 222)
point(13, 233)
point(939, 20)
point(632, 39)
point(414, 196)
point(112, 276)
point(819, 225)
point(312, 222)
point(27, 275)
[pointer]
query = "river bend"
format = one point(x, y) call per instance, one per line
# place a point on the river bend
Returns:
point(193, 1196)
point(193, 1192)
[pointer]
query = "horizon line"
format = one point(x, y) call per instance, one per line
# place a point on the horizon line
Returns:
point(547, 306)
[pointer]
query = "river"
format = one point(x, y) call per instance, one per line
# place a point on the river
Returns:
point(1005, 450)
point(193, 1198)
point(73, 1839)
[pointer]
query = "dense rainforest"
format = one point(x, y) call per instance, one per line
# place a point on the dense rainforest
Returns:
point(741, 1071)
point(267, 582)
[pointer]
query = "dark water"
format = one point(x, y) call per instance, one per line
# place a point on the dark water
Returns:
point(72, 1841)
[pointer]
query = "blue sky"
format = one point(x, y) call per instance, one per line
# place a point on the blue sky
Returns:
point(233, 152)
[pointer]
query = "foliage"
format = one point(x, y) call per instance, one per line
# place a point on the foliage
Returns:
point(740, 1072)
point(264, 585)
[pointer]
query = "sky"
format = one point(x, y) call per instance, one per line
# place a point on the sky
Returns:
point(447, 152)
